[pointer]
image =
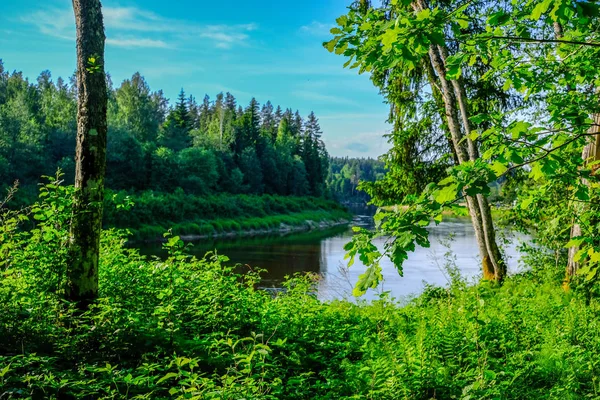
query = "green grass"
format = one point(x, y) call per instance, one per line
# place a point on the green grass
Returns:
point(243, 226)
point(154, 213)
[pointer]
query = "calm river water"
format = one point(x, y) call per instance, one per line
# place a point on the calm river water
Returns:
point(323, 252)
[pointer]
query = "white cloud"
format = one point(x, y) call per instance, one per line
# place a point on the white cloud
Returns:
point(316, 28)
point(224, 36)
point(133, 27)
point(361, 116)
point(356, 144)
point(136, 42)
point(323, 98)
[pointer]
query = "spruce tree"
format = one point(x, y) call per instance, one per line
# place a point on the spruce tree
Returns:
point(175, 133)
point(268, 120)
point(278, 116)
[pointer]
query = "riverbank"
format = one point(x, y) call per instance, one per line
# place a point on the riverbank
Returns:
point(253, 226)
point(151, 214)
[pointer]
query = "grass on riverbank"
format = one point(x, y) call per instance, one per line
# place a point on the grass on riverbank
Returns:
point(154, 213)
point(244, 226)
point(184, 328)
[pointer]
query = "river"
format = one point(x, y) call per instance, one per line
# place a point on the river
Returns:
point(322, 252)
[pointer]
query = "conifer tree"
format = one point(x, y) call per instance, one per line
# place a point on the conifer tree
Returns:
point(175, 133)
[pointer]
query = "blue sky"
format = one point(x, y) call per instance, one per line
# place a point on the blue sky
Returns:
point(269, 49)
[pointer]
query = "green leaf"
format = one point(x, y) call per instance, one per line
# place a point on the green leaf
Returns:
point(369, 280)
point(389, 38)
point(330, 46)
point(536, 172)
point(447, 194)
point(498, 18)
point(5, 370)
point(454, 66)
point(574, 242)
point(499, 168)
point(342, 21)
point(526, 203)
point(539, 9)
point(463, 23)
point(446, 181)
point(341, 49)
point(167, 376)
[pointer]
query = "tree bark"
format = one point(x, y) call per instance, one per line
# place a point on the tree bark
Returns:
point(590, 153)
point(453, 95)
point(90, 159)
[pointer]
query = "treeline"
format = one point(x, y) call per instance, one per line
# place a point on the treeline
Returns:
point(204, 148)
point(345, 174)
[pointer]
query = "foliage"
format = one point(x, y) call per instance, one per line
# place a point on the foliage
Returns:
point(189, 328)
point(203, 149)
point(530, 73)
point(346, 173)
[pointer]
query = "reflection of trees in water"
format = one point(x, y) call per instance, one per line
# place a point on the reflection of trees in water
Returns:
point(279, 255)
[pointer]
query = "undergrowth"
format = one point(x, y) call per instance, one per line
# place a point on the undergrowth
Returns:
point(188, 328)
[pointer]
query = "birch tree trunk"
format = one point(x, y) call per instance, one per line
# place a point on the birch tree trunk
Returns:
point(590, 153)
point(90, 159)
point(456, 102)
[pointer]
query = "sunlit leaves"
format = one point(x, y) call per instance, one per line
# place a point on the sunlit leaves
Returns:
point(540, 9)
point(370, 279)
point(447, 194)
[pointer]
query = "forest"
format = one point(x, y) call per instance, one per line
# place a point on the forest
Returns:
point(495, 113)
point(346, 173)
point(213, 147)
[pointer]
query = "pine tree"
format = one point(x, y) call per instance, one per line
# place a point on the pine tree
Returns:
point(230, 103)
point(312, 128)
point(248, 128)
point(175, 133)
point(268, 121)
point(205, 114)
point(194, 112)
point(314, 155)
point(181, 114)
point(278, 116)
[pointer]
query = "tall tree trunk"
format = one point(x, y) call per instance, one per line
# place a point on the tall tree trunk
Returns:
point(590, 153)
point(90, 156)
point(453, 95)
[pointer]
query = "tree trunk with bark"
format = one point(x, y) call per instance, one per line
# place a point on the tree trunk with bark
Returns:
point(590, 153)
point(90, 159)
point(456, 103)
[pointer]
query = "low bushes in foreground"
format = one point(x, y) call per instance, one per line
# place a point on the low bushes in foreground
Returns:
point(186, 328)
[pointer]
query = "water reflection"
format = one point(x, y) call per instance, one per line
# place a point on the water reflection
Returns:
point(323, 252)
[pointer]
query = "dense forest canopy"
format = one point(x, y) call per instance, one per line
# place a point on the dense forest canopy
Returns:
point(345, 175)
point(203, 147)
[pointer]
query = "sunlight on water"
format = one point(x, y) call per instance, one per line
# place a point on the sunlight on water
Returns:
point(323, 252)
